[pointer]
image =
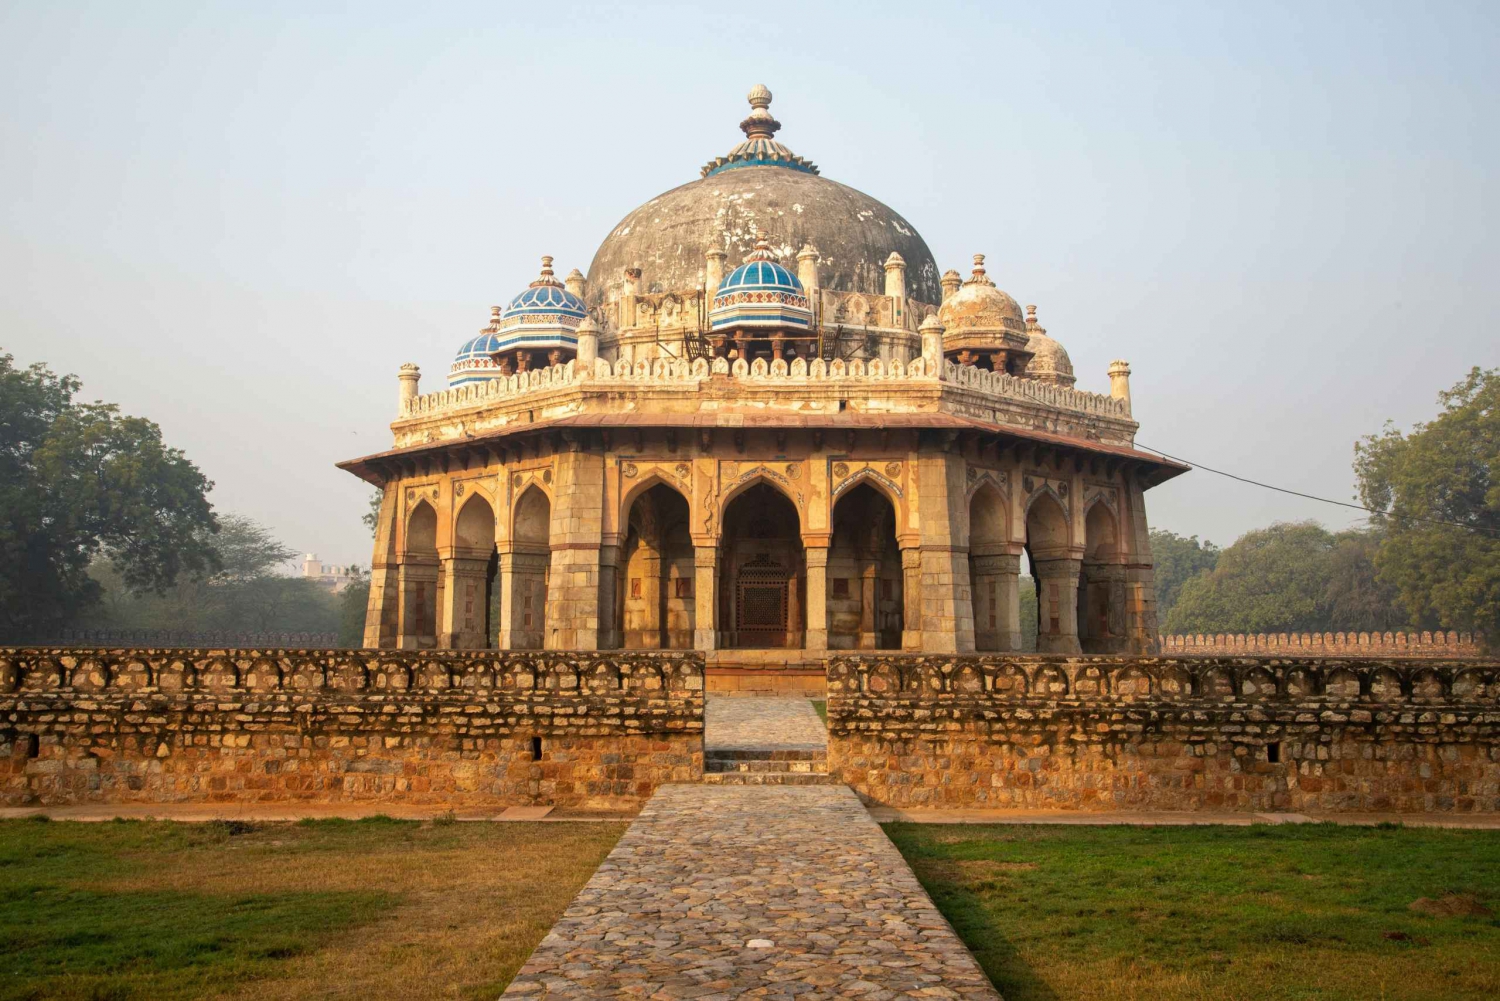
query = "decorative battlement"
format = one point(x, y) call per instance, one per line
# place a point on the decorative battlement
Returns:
point(996, 384)
point(1404, 644)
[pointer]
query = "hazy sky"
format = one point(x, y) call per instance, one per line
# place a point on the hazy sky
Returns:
point(239, 219)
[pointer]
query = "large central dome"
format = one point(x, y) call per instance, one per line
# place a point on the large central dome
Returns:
point(761, 185)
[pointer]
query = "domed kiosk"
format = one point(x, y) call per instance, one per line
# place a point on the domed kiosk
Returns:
point(765, 426)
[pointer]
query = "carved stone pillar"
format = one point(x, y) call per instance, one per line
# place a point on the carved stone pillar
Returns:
point(1057, 605)
point(523, 597)
point(997, 601)
point(609, 597)
point(911, 598)
point(461, 622)
point(416, 587)
point(705, 597)
point(817, 598)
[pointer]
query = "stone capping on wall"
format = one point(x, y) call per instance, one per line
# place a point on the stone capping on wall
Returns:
point(921, 678)
point(469, 674)
point(1402, 644)
point(969, 377)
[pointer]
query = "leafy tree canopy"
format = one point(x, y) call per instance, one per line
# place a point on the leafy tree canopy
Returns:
point(1177, 560)
point(78, 479)
point(1292, 576)
point(250, 593)
point(1437, 491)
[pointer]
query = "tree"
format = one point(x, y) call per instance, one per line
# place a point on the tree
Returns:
point(1436, 492)
point(1290, 577)
point(1177, 560)
point(371, 517)
point(250, 593)
point(78, 479)
point(353, 602)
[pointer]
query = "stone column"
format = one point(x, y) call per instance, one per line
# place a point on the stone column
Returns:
point(911, 598)
point(609, 574)
point(416, 587)
point(997, 593)
point(705, 597)
point(573, 587)
point(461, 621)
point(1057, 605)
point(382, 611)
point(817, 598)
point(869, 636)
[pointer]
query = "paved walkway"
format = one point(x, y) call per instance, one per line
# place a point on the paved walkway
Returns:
point(744, 722)
point(718, 892)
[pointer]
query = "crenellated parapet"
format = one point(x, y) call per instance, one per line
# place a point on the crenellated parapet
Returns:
point(964, 381)
point(1265, 734)
point(68, 671)
point(1330, 644)
point(1197, 680)
point(474, 729)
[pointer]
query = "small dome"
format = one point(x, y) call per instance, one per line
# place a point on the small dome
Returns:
point(475, 361)
point(760, 293)
point(543, 300)
point(979, 307)
point(1049, 362)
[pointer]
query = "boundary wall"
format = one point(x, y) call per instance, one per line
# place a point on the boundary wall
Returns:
point(464, 729)
point(1404, 644)
point(1288, 734)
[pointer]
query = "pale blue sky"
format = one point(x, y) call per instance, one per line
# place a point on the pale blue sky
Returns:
point(239, 219)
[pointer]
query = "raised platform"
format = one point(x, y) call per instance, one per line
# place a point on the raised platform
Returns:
point(767, 672)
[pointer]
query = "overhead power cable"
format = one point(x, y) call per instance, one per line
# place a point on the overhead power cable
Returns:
point(1313, 497)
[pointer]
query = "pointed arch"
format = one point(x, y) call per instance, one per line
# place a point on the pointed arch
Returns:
point(474, 528)
point(762, 566)
point(420, 538)
point(656, 571)
point(531, 516)
point(864, 590)
point(870, 477)
point(761, 476)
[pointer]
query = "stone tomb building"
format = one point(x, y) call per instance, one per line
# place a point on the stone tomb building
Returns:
point(763, 421)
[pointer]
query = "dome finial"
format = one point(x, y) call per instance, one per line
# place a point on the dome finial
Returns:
point(760, 124)
point(546, 277)
point(979, 277)
point(762, 251)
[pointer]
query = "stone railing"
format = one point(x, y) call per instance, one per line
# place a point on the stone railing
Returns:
point(996, 384)
point(216, 639)
point(1175, 678)
point(1278, 734)
point(1403, 644)
point(475, 728)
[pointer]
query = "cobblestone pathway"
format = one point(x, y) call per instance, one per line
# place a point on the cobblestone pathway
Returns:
point(762, 724)
point(752, 892)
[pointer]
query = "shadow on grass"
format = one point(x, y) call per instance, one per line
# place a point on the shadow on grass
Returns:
point(1012, 976)
point(62, 942)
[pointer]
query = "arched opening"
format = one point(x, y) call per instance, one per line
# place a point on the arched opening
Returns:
point(656, 573)
point(531, 559)
point(762, 575)
point(418, 579)
point(864, 573)
point(1101, 589)
point(1056, 572)
point(475, 568)
point(994, 573)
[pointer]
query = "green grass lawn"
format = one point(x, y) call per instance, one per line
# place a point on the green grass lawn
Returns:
point(820, 706)
point(374, 908)
point(1296, 911)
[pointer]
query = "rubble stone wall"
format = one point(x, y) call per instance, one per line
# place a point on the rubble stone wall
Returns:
point(1446, 645)
point(463, 729)
point(1300, 735)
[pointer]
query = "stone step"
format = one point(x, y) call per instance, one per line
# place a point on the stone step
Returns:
point(770, 779)
point(763, 754)
point(762, 766)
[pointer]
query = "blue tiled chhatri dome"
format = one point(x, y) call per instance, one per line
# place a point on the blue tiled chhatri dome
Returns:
point(542, 318)
point(760, 294)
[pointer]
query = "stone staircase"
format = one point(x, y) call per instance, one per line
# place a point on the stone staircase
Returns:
point(766, 767)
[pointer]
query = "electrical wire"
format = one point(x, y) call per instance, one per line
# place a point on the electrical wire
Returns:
point(1313, 497)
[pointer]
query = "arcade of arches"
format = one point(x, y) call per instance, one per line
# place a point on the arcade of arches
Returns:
point(888, 547)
